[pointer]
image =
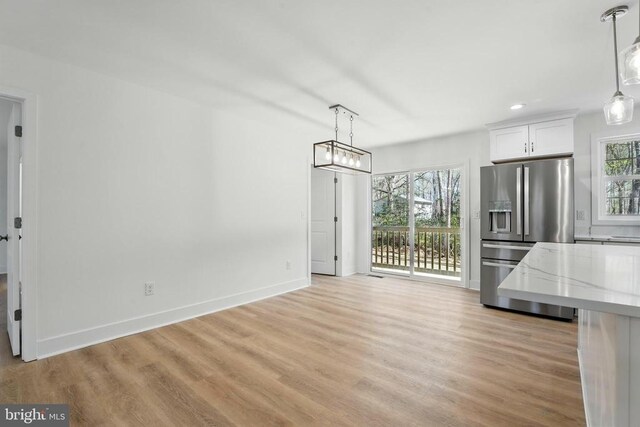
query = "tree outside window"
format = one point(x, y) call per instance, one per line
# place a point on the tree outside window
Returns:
point(621, 178)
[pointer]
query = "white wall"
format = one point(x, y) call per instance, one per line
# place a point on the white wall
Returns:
point(5, 113)
point(347, 230)
point(136, 185)
point(585, 125)
point(471, 147)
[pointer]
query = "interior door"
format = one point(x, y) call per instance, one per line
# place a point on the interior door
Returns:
point(13, 243)
point(323, 225)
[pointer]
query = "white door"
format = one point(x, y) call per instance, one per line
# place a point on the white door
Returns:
point(509, 143)
point(323, 226)
point(13, 243)
point(551, 138)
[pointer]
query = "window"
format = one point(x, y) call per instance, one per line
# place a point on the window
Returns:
point(616, 180)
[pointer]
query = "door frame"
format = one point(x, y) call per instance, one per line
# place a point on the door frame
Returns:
point(335, 225)
point(464, 225)
point(29, 270)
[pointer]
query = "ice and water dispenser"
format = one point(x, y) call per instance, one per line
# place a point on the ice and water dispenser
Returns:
point(500, 216)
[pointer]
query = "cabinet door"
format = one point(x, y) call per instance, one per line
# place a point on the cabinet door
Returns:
point(551, 138)
point(509, 143)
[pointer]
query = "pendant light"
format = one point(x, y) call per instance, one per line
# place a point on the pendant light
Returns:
point(340, 157)
point(631, 62)
point(619, 109)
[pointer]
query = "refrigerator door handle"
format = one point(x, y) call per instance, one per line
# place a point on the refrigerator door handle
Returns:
point(495, 264)
point(526, 201)
point(518, 201)
point(512, 247)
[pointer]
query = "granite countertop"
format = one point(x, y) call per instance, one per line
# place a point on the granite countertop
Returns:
point(594, 277)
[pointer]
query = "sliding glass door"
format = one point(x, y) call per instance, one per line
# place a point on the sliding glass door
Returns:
point(390, 223)
point(416, 223)
point(436, 206)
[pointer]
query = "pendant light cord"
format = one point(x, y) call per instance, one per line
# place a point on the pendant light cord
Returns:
point(615, 52)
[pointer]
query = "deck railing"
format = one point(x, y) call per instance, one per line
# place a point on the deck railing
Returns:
point(436, 249)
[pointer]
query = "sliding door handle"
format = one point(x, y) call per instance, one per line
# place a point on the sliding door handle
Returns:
point(5, 237)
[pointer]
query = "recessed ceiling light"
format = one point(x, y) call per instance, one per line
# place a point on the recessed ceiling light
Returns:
point(517, 106)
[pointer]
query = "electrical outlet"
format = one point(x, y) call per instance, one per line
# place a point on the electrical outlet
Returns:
point(288, 265)
point(580, 215)
point(149, 288)
point(476, 214)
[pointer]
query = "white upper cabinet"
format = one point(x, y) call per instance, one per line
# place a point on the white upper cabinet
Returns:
point(542, 136)
point(551, 138)
point(509, 143)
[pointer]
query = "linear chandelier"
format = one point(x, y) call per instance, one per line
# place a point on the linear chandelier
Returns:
point(340, 157)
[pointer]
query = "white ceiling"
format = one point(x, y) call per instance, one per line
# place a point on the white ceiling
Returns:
point(413, 69)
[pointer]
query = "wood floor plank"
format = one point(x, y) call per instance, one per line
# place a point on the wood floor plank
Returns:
point(345, 351)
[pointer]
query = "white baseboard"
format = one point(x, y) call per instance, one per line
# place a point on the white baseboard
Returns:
point(87, 337)
point(474, 284)
point(349, 270)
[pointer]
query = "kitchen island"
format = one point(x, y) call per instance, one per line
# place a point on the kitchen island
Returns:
point(603, 282)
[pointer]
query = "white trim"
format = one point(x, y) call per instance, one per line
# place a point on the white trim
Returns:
point(29, 271)
point(338, 225)
point(597, 142)
point(466, 227)
point(474, 285)
point(90, 336)
point(368, 223)
point(412, 224)
point(567, 114)
point(309, 221)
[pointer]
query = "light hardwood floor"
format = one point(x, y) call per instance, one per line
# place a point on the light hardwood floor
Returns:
point(349, 351)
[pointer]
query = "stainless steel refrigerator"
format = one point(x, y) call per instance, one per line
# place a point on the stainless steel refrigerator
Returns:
point(521, 204)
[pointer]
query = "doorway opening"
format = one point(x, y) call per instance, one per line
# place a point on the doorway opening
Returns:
point(323, 222)
point(416, 224)
point(10, 227)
